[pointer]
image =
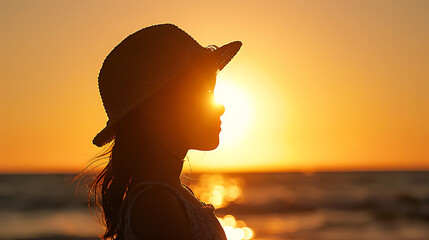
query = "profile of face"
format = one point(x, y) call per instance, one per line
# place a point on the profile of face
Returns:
point(185, 112)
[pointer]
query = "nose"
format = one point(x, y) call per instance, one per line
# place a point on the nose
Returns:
point(221, 108)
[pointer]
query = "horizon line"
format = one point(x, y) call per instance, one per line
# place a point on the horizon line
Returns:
point(306, 172)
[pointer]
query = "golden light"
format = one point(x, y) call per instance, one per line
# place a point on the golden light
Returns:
point(235, 229)
point(221, 191)
point(238, 111)
point(217, 190)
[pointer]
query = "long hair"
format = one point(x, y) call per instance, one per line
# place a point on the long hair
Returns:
point(108, 188)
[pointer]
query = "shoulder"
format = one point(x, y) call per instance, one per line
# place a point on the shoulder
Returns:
point(157, 213)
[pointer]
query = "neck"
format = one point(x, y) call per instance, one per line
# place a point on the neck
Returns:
point(157, 163)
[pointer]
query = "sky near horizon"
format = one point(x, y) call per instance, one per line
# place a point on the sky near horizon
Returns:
point(326, 85)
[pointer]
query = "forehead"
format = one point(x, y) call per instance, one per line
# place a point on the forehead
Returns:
point(202, 76)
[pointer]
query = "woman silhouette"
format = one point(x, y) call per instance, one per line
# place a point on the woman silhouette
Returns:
point(157, 90)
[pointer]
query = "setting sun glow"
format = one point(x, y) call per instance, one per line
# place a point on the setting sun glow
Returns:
point(238, 111)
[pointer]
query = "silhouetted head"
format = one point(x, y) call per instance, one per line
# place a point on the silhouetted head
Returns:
point(148, 60)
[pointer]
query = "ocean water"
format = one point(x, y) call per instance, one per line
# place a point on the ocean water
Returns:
point(261, 206)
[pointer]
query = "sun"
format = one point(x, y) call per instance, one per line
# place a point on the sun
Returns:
point(238, 111)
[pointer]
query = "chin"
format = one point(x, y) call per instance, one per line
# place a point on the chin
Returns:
point(207, 144)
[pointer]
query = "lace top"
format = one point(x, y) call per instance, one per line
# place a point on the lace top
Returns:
point(203, 222)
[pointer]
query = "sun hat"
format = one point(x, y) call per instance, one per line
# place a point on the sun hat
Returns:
point(143, 63)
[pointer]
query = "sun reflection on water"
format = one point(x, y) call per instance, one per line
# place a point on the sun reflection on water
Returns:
point(220, 192)
point(235, 229)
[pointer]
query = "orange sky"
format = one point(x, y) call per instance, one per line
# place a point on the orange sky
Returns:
point(332, 85)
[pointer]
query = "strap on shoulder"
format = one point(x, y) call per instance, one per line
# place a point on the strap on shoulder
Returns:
point(141, 187)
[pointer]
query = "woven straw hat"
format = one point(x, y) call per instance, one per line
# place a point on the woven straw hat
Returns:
point(143, 63)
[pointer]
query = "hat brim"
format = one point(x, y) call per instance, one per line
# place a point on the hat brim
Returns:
point(104, 136)
point(226, 52)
